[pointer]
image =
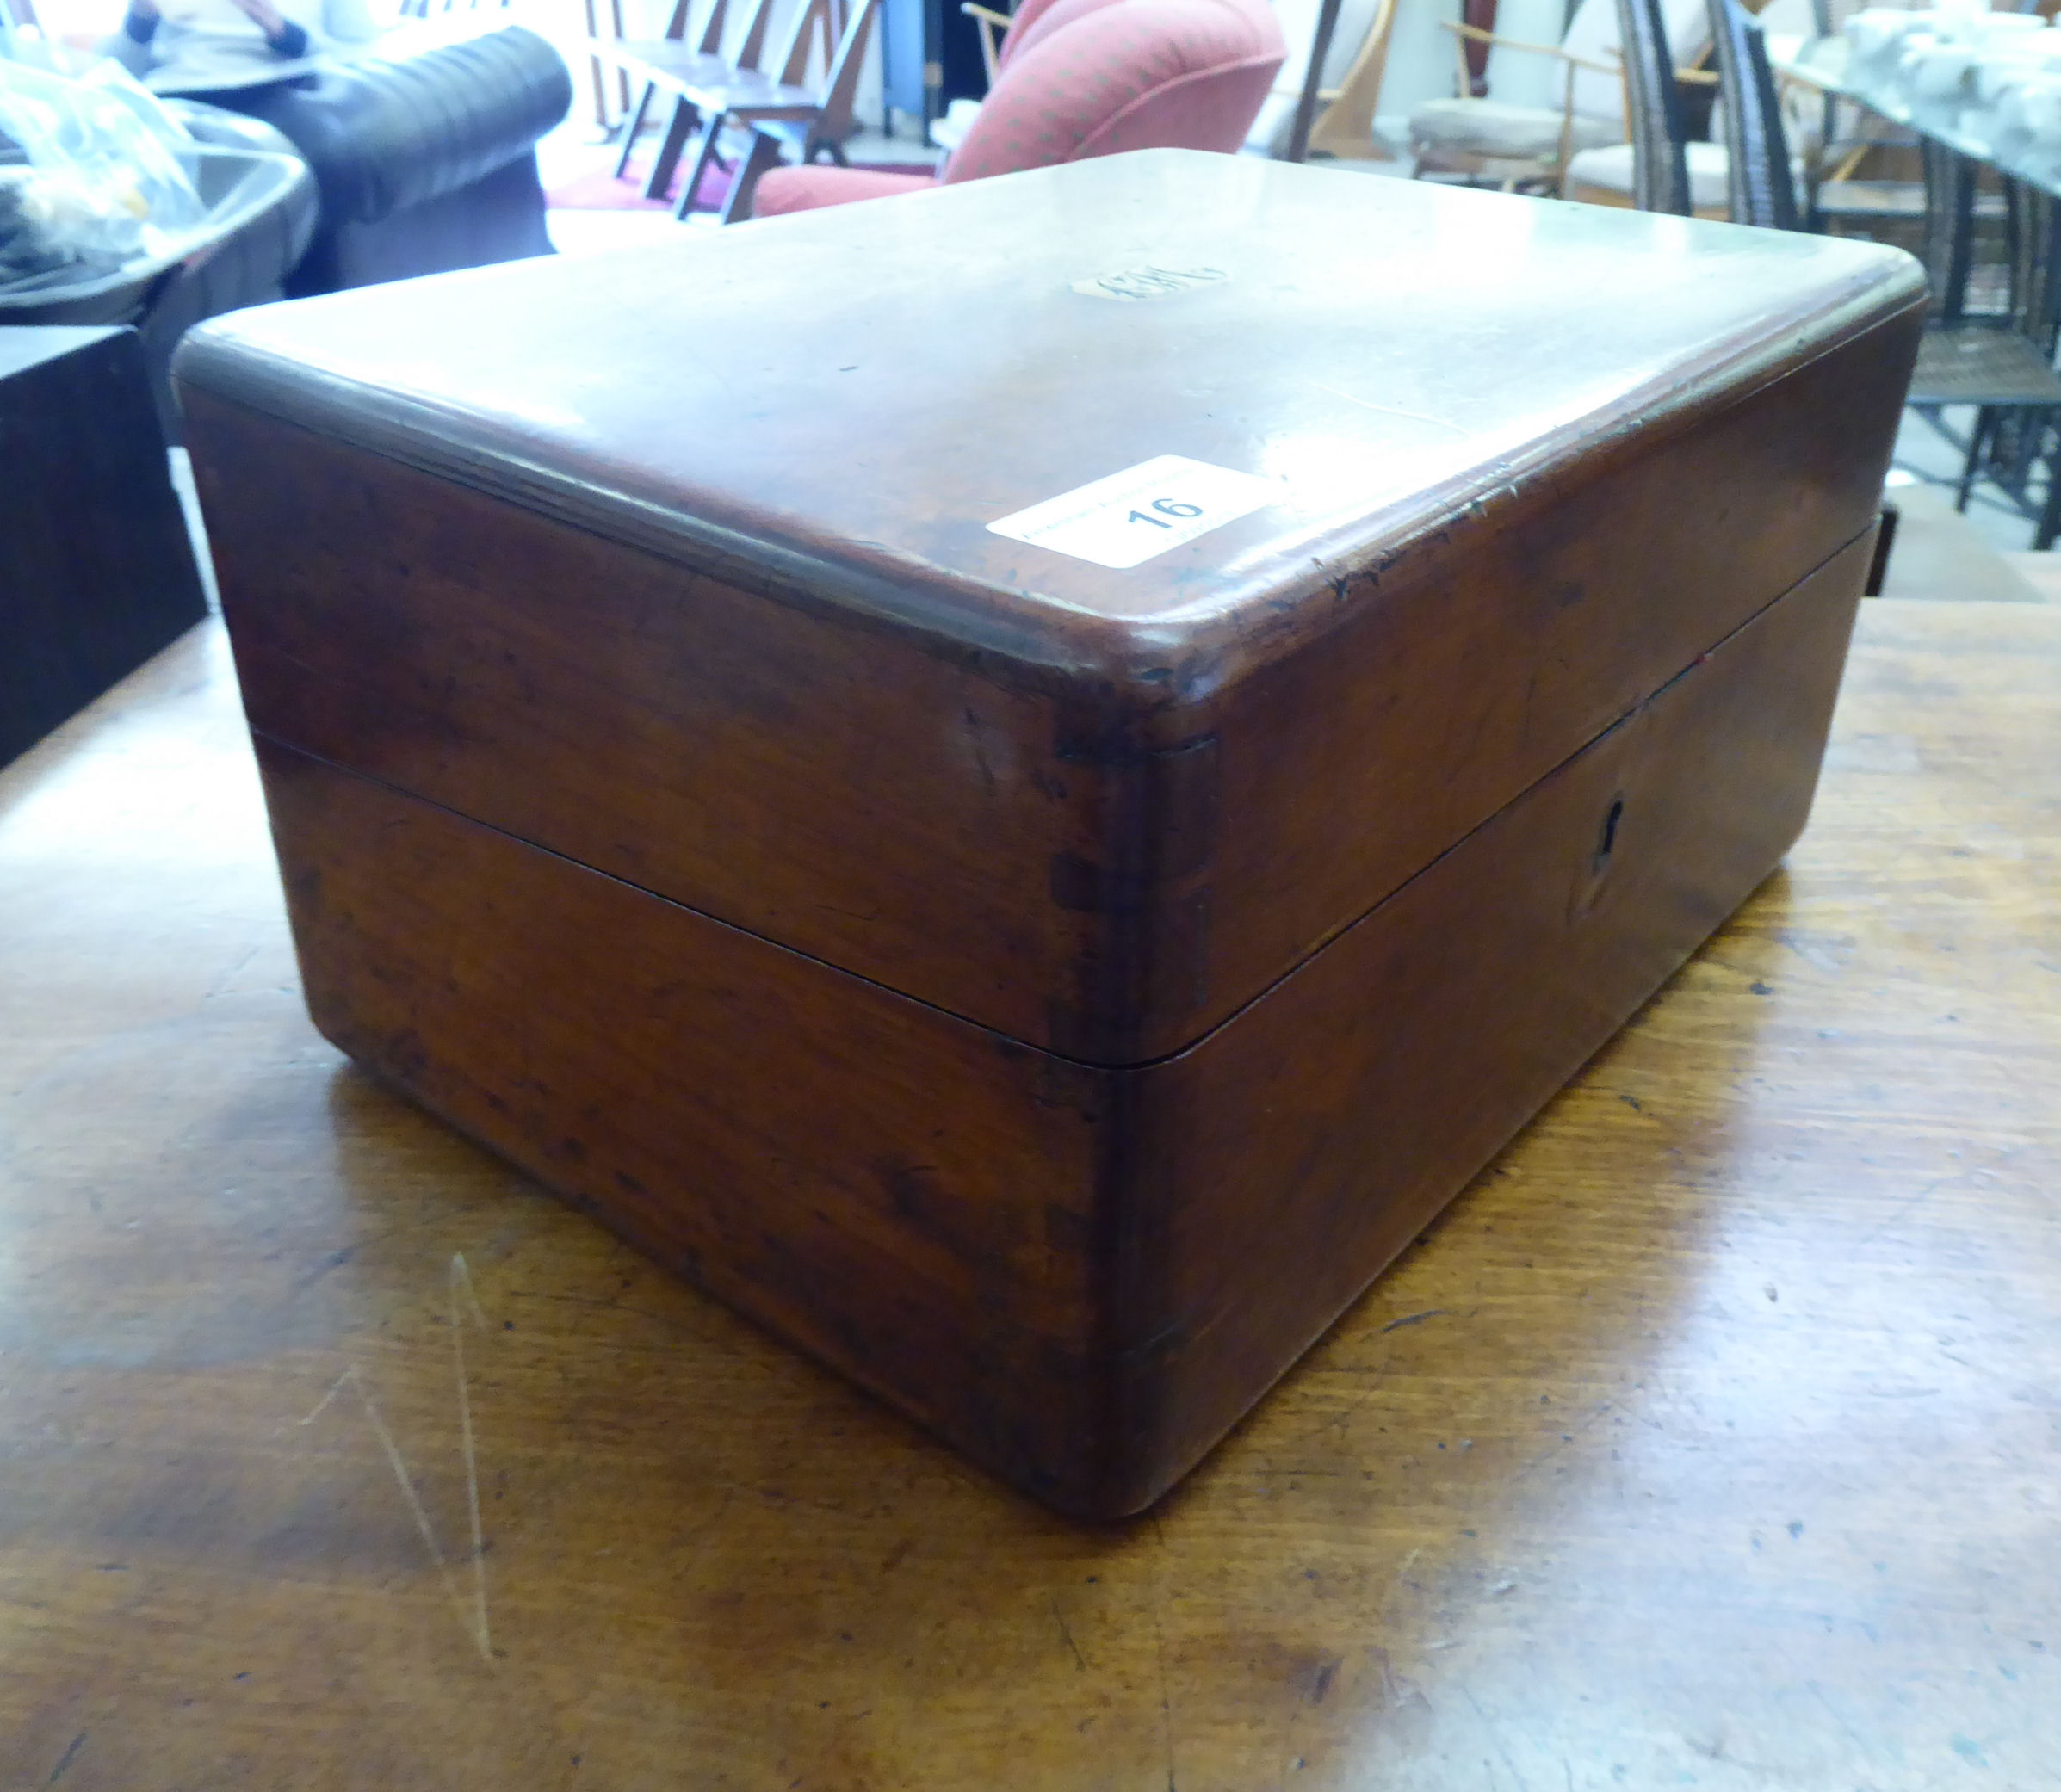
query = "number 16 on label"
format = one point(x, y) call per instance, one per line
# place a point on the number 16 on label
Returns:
point(1127, 518)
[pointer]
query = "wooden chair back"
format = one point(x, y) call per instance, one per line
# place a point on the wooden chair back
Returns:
point(826, 16)
point(711, 41)
point(851, 21)
point(841, 93)
point(437, 8)
point(751, 51)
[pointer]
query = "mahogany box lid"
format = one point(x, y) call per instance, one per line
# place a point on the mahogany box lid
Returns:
point(1441, 461)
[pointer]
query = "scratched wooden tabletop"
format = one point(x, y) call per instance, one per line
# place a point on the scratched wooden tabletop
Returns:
point(1713, 1439)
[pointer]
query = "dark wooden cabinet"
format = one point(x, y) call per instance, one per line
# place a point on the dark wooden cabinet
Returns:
point(96, 571)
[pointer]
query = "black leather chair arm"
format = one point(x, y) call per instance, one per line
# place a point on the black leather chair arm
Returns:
point(429, 111)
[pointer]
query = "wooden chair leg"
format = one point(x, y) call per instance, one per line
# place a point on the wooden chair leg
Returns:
point(704, 153)
point(685, 117)
point(764, 155)
point(2049, 525)
point(1960, 251)
point(1985, 426)
point(600, 91)
point(632, 125)
point(621, 74)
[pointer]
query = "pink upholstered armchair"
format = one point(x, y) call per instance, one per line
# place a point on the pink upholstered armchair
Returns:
point(1088, 77)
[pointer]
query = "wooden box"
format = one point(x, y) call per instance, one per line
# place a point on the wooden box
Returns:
point(1047, 989)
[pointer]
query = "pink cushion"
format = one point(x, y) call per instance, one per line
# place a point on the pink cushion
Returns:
point(802, 189)
point(1143, 74)
point(1110, 75)
point(1036, 19)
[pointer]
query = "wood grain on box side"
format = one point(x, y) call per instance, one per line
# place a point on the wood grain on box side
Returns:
point(1284, 1162)
point(1080, 867)
point(902, 1194)
point(1082, 1277)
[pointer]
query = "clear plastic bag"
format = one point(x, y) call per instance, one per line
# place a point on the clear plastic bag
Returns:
point(99, 180)
point(151, 113)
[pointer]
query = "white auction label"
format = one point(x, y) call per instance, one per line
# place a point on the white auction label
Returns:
point(1127, 518)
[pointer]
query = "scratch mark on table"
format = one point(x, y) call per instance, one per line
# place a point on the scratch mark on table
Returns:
point(1817, 1692)
point(1412, 1319)
point(335, 1388)
point(234, 970)
point(413, 1498)
point(1404, 1568)
point(66, 1759)
point(1494, 1736)
point(1159, 1638)
point(461, 1287)
point(1416, 417)
point(334, 1260)
point(1567, 1439)
point(1907, 1205)
point(351, 1378)
point(1066, 1630)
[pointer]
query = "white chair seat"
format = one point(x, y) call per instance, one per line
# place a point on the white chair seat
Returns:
point(1610, 169)
point(1503, 133)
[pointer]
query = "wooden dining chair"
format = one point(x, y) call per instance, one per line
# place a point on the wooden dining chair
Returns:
point(1519, 147)
point(1531, 145)
point(781, 112)
point(439, 9)
point(709, 43)
point(2003, 367)
point(670, 64)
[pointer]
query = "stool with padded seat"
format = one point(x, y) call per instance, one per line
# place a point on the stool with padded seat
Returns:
point(1089, 78)
point(1498, 132)
point(1531, 145)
